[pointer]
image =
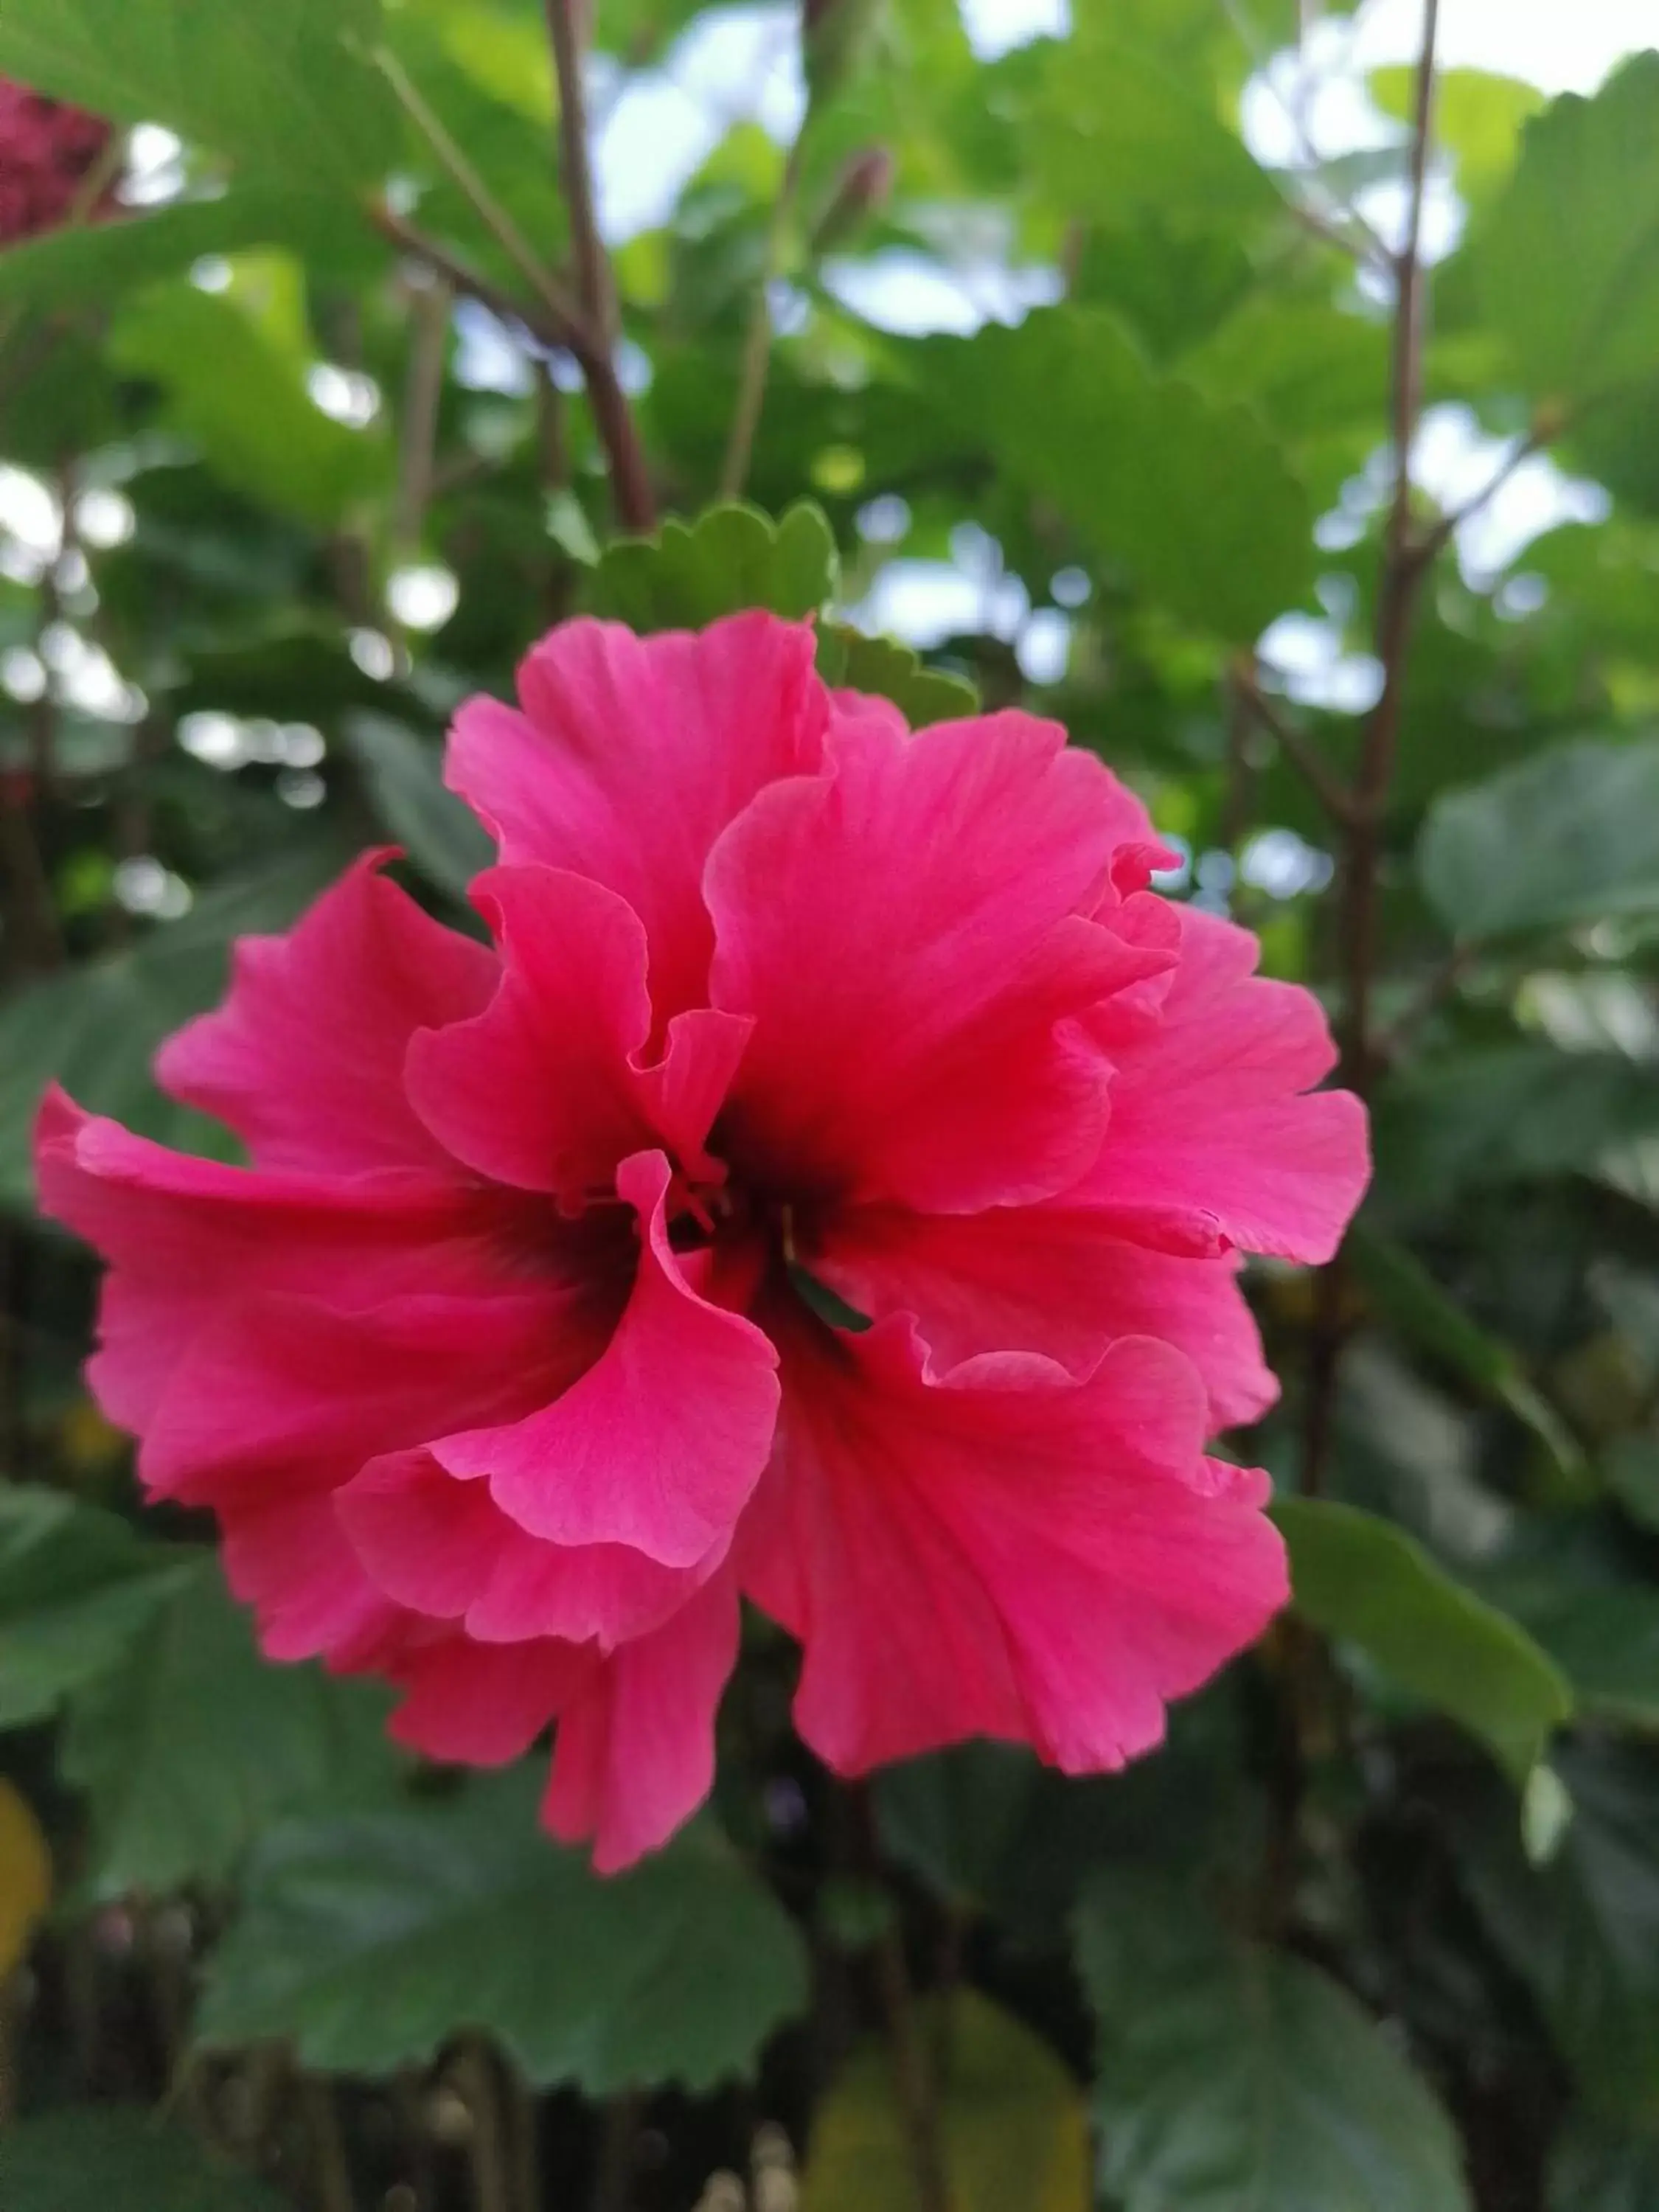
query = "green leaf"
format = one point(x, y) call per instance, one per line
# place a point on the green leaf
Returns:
point(1567, 264)
point(1601, 1628)
point(1410, 1300)
point(95, 2158)
point(1478, 118)
point(100, 261)
point(1193, 499)
point(368, 1941)
point(1357, 1576)
point(1583, 1931)
point(1632, 1468)
point(1231, 2075)
point(1509, 1113)
point(198, 1745)
point(282, 87)
point(95, 1028)
point(1567, 837)
point(1595, 2168)
point(849, 659)
point(1012, 2124)
point(244, 400)
point(76, 1587)
point(733, 556)
point(1115, 129)
point(405, 776)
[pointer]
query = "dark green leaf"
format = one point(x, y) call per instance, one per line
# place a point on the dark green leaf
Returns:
point(1565, 838)
point(76, 1586)
point(1357, 1576)
point(1410, 1300)
point(283, 87)
point(1230, 2074)
point(368, 1941)
point(880, 665)
point(406, 780)
point(1194, 499)
point(198, 1745)
point(1601, 1628)
point(100, 261)
point(1509, 1113)
point(95, 1028)
point(1600, 2169)
point(1632, 1468)
point(1583, 1931)
point(732, 556)
point(120, 2158)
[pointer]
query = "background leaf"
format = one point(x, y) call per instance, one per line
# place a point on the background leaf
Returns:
point(368, 1941)
point(93, 2157)
point(1230, 2074)
point(76, 1587)
point(1012, 2125)
point(1354, 1575)
point(197, 1745)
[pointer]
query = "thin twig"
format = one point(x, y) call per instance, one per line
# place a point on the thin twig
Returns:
point(476, 2077)
point(1310, 763)
point(329, 2166)
point(913, 2071)
point(1434, 540)
point(593, 283)
point(618, 2140)
point(1404, 568)
point(757, 338)
point(546, 328)
point(613, 418)
point(489, 211)
point(430, 313)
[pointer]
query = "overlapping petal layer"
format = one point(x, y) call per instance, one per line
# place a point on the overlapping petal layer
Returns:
point(495, 1363)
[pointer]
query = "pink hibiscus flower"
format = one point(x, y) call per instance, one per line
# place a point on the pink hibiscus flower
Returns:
point(47, 151)
point(502, 1365)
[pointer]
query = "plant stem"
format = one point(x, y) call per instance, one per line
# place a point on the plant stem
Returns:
point(1404, 568)
point(329, 2167)
point(495, 217)
point(1311, 764)
point(913, 2070)
point(757, 338)
point(631, 479)
point(429, 312)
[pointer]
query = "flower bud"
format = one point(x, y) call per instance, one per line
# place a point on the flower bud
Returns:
point(863, 189)
point(48, 153)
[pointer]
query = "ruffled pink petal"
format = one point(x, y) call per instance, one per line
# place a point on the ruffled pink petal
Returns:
point(661, 1441)
point(548, 1088)
point(279, 1385)
point(481, 1705)
point(286, 1556)
point(906, 933)
point(443, 1547)
point(630, 756)
point(1208, 1118)
point(184, 1237)
point(634, 1756)
point(305, 1058)
point(1001, 1549)
point(1048, 1279)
